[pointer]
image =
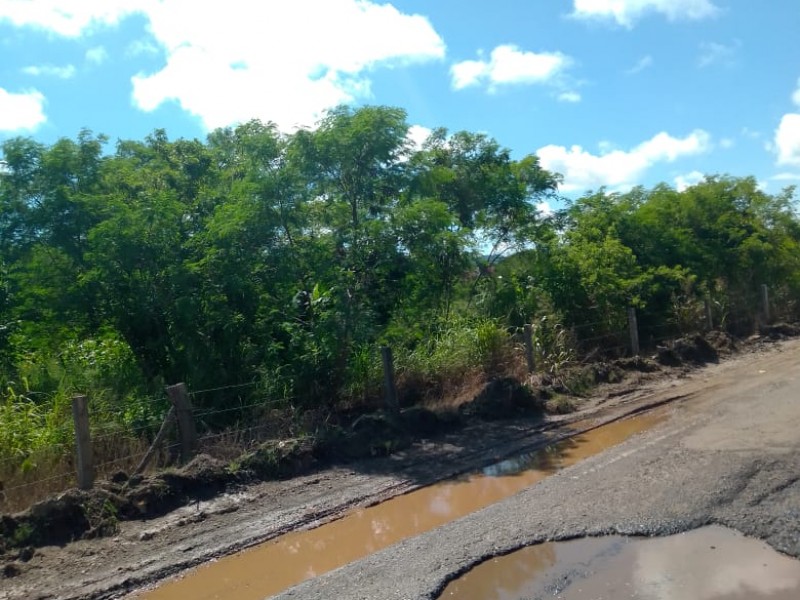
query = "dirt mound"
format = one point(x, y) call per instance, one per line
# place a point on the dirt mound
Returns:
point(78, 514)
point(378, 434)
point(636, 363)
point(502, 399)
point(75, 514)
point(420, 421)
point(781, 330)
point(201, 478)
point(606, 373)
point(695, 350)
point(722, 342)
point(201, 475)
point(279, 459)
point(372, 434)
point(56, 520)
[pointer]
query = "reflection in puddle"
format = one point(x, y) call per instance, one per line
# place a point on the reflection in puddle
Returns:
point(712, 563)
point(288, 560)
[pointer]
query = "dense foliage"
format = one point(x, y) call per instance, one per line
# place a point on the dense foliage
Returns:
point(285, 260)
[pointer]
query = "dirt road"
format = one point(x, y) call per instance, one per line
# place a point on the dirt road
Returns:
point(727, 454)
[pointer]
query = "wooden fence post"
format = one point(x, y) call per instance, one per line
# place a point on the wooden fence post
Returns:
point(83, 442)
point(765, 303)
point(162, 433)
point(709, 315)
point(527, 333)
point(388, 380)
point(633, 328)
point(179, 396)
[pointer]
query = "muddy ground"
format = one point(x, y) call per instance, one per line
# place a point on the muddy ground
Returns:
point(144, 551)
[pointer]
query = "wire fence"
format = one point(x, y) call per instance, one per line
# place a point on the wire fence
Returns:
point(224, 388)
point(241, 416)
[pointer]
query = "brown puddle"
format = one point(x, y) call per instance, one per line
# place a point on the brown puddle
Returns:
point(276, 565)
point(712, 563)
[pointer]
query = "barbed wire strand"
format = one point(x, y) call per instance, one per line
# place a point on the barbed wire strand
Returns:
point(207, 438)
point(242, 408)
point(119, 460)
point(223, 387)
point(123, 432)
point(38, 481)
point(33, 454)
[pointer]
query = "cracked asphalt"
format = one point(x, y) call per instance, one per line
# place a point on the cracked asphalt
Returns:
point(727, 455)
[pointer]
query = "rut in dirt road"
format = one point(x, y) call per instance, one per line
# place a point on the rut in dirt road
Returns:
point(287, 561)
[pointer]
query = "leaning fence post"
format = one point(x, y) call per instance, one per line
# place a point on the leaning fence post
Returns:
point(765, 302)
point(527, 333)
point(388, 380)
point(633, 328)
point(83, 442)
point(162, 433)
point(179, 396)
point(709, 315)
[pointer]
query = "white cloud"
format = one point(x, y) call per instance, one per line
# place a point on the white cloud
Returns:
point(627, 12)
point(688, 180)
point(727, 143)
point(606, 146)
point(68, 19)
point(750, 133)
point(65, 72)
point(545, 209)
point(21, 112)
point(508, 65)
point(282, 61)
point(97, 55)
point(643, 63)
point(786, 177)
point(712, 53)
point(787, 140)
point(467, 73)
point(569, 97)
point(417, 134)
point(142, 47)
point(619, 169)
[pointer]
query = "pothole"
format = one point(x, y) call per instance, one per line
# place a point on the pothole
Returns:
point(711, 563)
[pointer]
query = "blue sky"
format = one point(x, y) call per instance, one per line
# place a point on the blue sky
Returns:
point(607, 92)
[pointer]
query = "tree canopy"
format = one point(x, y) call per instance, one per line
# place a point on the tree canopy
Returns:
point(284, 258)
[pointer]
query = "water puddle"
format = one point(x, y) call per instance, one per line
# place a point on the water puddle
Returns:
point(276, 565)
point(712, 563)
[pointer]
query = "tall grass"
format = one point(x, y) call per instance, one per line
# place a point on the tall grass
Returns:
point(36, 426)
point(461, 352)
